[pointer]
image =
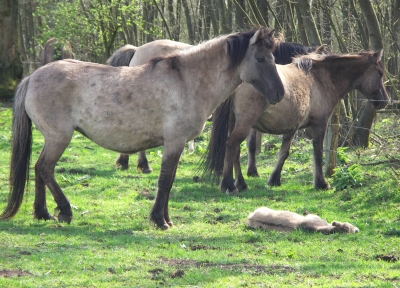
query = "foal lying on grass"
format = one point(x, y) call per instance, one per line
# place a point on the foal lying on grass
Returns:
point(280, 220)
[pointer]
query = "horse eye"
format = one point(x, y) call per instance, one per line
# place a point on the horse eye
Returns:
point(380, 72)
point(259, 60)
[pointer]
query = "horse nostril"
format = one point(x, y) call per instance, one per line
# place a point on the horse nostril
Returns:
point(280, 94)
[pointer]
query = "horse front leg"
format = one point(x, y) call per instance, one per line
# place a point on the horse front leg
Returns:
point(122, 161)
point(251, 142)
point(143, 163)
point(275, 178)
point(318, 145)
point(159, 213)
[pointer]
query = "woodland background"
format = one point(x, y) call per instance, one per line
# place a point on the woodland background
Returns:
point(96, 28)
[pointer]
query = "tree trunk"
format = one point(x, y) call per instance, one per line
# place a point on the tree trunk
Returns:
point(188, 22)
point(212, 14)
point(223, 22)
point(10, 64)
point(368, 112)
point(309, 24)
point(331, 141)
point(239, 14)
point(302, 29)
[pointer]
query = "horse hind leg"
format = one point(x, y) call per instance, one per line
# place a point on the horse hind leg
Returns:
point(251, 142)
point(44, 170)
point(143, 163)
point(39, 205)
point(122, 161)
point(275, 178)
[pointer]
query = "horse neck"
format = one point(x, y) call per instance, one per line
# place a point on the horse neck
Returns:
point(339, 75)
point(206, 74)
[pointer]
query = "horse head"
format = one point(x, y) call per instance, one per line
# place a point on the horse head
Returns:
point(372, 81)
point(258, 66)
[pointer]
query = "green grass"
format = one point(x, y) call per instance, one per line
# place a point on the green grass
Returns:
point(110, 242)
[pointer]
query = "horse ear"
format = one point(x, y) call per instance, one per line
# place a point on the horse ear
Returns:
point(271, 34)
point(378, 55)
point(256, 37)
point(321, 49)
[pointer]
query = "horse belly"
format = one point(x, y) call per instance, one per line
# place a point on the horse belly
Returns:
point(113, 131)
point(275, 122)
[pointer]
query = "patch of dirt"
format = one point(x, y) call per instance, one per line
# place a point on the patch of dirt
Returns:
point(177, 274)
point(233, 266)
point(75, 170)
point(387, 258)
point(156, 271)
point(202, 247)
point(147, 194)
point(13, 273)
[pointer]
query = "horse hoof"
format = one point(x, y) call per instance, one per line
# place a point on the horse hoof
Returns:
point(252, 174)
point(274, 182)
point(62, 217)
point(44, 216)
point(164, 227)
point(123, 167)
point(170, 223)
point(147, 170)
point(233, 192)
point(323, 186)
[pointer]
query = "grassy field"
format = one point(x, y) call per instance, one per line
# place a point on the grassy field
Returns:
point(110, 242)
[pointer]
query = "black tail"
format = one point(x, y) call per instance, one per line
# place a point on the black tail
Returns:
point(21, 152)
point(212, 163)
point(122, 56)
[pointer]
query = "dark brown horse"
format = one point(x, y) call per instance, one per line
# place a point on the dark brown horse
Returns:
point(55, 50)
point(128, 109)
point(129, 55)
point(314, 84)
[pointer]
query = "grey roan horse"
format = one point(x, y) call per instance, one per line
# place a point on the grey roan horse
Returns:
point(129, 55)
point(129, 109)
point(314, 84)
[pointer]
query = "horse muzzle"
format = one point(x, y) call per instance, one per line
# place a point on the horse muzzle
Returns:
point(277, 97)
point(380, 104)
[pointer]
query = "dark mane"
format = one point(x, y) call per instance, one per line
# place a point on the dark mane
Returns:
point(172, 61)
point(153, 62)
point(286, 51)
point(122, 56)
point(305, 62)
point(239, 42)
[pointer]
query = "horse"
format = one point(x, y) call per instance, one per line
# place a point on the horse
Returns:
point(54, 50)
point(314, 84)
point(129, 109)
point(129, 55)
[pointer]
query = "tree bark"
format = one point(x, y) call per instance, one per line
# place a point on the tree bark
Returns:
point(10, 64)
point(223, 22)
point(188, 22)
point(302, 29)
point(239, 14)
point(368, 112)
point(309, 24)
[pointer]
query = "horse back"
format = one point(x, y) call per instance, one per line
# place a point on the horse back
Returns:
point(157, 48)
